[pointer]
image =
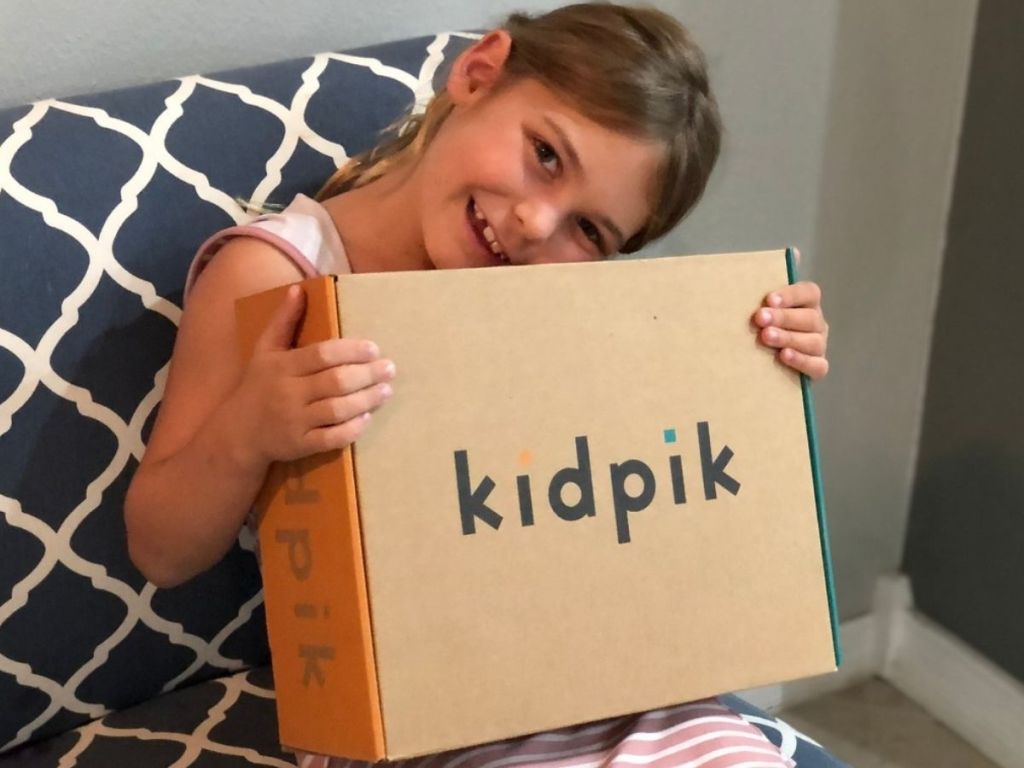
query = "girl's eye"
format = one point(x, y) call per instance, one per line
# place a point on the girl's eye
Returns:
point(546, 155)
point(592, 233)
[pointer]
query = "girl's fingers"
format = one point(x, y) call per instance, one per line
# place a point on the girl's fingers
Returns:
point(802, 294)
point(339, 421)
point(810, 320)
point(346, 379)
point(792, 322)
point(338, 410)
point(327, 354)
point(813, 366)
point(337, 436)
point(808, 343)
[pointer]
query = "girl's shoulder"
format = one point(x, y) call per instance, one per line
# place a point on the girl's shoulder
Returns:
point(303, 232)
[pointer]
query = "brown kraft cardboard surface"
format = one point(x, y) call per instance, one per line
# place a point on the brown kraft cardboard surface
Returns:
point(591, 495)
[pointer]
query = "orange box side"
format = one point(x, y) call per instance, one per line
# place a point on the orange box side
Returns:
point(314, 579)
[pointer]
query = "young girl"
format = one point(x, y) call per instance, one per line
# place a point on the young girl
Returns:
point(572, 136)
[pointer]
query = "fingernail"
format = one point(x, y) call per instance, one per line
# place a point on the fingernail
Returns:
point(772, 334)
point(385, 390)
point(372, 349)
point(766, 315)
point(389, 369)
point(775, 300)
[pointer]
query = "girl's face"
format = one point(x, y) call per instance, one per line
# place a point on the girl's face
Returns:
point(515, 175)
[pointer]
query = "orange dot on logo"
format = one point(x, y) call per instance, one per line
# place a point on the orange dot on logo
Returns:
point(525, 457)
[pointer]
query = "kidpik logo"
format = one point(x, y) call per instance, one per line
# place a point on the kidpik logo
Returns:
point(299, 543)
point(473, 500)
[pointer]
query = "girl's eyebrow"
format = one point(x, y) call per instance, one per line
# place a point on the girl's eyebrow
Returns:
point(574, 158)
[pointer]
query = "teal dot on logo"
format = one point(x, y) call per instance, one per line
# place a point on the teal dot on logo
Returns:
point(670, 435)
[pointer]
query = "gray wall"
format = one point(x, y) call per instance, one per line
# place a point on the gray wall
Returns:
point(842, 119)
point(963, 550)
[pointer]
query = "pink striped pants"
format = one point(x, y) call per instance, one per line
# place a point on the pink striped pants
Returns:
point(704, 734)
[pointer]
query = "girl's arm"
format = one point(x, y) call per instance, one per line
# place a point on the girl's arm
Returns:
point(222, 423)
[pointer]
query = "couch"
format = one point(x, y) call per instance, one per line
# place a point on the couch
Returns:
point(103, 200)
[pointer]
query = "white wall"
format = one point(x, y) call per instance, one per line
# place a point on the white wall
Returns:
point(63, 47)
point(841, 116)
point(896, 106)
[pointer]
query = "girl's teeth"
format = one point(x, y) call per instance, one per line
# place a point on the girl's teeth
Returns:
point(489, 233)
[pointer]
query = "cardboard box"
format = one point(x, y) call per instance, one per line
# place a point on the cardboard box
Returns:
point(593, 493)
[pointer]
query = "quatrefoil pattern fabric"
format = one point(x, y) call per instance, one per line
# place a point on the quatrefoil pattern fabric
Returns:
point(103, 201)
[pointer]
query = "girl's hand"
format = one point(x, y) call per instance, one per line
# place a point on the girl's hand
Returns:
point(792, 322)
point(297, 402)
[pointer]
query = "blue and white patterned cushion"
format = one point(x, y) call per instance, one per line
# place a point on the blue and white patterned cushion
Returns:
point(103, 201)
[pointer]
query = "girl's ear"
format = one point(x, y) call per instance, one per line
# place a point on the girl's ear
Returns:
point(479, 67)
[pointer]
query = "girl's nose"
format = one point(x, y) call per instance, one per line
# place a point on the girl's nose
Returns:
point(537, 217)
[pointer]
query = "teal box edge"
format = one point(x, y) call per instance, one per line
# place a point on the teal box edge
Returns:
point(819, 493)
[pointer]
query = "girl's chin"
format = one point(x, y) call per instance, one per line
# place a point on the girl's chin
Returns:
point(439, 261)
point(448, 261)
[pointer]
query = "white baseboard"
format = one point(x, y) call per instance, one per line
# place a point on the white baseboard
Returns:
point(958, 686)
point(941, 673)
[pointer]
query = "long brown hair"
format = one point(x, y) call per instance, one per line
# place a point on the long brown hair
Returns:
point(633, 69)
